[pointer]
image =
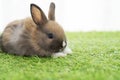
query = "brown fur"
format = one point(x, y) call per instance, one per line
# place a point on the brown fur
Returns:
point(51, 15)
point(9, 30)
point(34, 36)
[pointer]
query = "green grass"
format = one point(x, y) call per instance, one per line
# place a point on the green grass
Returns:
point(96, 56)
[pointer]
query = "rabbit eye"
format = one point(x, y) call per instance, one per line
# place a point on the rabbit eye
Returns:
point(50, 35)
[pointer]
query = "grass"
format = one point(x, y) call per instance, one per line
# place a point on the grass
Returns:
point(96, 56)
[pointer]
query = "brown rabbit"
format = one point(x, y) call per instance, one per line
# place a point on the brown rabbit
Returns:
point(35, 36)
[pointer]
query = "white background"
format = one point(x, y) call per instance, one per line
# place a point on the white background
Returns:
point(73, 15)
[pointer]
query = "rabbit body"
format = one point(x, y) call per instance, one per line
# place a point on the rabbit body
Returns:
point(34, 36)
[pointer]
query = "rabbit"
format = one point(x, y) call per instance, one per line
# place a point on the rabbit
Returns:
point(35, 35)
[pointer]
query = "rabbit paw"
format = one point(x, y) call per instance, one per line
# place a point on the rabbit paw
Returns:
point(67, 50)
point(59, 54)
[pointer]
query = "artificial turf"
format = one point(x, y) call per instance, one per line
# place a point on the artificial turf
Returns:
point(96, 56)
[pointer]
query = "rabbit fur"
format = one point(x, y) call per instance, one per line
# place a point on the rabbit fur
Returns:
point(35, 35)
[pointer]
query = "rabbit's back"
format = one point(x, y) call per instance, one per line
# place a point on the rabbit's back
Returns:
point(16, 37)
point(13, 32)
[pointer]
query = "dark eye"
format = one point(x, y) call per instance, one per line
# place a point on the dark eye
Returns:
point(50, 35)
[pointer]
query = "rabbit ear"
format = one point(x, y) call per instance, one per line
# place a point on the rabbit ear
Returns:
point(38, 15)
point(51, 14)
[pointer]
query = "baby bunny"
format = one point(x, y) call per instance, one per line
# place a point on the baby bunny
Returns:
point(35, 36)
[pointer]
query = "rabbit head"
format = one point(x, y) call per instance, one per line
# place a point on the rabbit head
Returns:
point(50, 36)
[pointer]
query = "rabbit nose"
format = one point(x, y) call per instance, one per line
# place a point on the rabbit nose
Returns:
point(63, 44)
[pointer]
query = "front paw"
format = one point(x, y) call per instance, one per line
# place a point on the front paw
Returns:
point(67, 50)
point(59, 54)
